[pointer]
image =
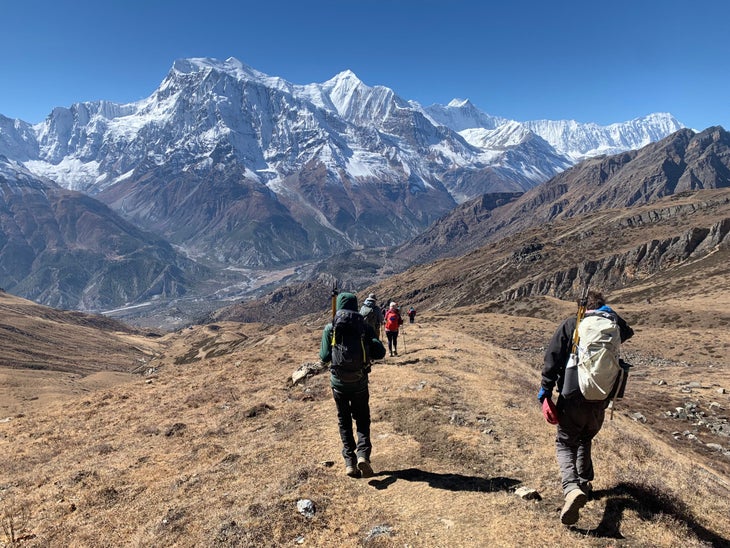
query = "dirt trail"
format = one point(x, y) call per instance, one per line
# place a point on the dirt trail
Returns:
point(216, 448)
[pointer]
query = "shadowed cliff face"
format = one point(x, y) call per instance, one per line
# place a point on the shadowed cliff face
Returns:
point(67, 250)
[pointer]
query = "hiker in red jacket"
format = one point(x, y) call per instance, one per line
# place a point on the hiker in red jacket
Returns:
point(393, 321)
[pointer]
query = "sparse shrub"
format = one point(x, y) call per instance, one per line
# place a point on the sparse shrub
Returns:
point(14, 518)
point(103, 449)
point(147, 430)
point(633, 449)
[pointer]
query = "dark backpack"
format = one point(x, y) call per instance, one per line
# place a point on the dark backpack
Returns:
point(349, 348)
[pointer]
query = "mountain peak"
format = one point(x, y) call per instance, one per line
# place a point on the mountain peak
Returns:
point(345, 78)
point(231, 66)
point(460, 103)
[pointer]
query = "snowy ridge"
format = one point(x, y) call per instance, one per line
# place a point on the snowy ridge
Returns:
point(461, 114)
point(338, 151)
point(273, 127)
point(581, 141)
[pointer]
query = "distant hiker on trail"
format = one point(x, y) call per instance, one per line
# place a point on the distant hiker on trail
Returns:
point(393, 321)
point(372, 313)
point(412, 314)
point(349, 343)
point(591, 339)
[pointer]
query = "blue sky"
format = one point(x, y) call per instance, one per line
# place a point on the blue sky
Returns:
point(601, 62)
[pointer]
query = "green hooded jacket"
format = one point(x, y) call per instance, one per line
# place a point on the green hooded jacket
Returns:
point(348, 301)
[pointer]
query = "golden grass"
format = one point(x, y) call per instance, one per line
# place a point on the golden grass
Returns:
point(216, 447)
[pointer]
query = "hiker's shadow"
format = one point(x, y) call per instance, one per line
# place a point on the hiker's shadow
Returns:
point(648, 504)
point(450, 482)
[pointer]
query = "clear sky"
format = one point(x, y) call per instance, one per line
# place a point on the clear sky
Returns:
point(601, 62)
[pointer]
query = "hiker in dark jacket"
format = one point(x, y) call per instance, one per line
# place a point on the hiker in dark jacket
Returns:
point(412, 314)
point(352, 396)
point(372, 313)
point(579, 420)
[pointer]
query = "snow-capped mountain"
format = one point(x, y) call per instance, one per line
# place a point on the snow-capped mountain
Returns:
point(576, 140)
point(461, 114)
point(581, 141)
point(244, 168)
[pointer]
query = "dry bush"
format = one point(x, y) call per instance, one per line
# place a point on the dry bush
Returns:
point(15, 517)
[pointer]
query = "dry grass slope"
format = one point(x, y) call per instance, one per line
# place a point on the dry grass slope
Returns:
point(48, 353)
point(214, 447)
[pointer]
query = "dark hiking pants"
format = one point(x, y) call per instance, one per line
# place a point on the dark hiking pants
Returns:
point(354, 406)
point(579, 422)
point(392, 341)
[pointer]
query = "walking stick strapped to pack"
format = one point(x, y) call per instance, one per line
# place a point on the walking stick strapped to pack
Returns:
point(571, 384)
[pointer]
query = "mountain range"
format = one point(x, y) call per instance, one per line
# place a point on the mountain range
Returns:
point(662, 211)
point(235, 168)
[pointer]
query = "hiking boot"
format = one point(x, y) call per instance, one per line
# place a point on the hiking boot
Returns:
point(574, 501)
point(352, 471)
point(395, 352)
point(364, 467)
point(587, 488)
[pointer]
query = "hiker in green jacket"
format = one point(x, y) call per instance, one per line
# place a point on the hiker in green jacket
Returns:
point(350, 350)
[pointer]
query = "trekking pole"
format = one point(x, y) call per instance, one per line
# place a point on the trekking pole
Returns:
point(334, 301)
point(620, 385)
point(613, 398)
point(405, 350)
point(581, 312)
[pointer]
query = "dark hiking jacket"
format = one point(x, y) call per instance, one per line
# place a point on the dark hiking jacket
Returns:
point(558, 351)
point(375, 319)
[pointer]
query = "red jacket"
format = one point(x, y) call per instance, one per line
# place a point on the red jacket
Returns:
point(393, 319)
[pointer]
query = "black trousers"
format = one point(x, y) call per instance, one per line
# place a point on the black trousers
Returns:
point(354, 406)
point(392, 341)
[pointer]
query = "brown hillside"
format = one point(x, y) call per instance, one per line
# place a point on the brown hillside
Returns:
point(47, 353)
point(677, 241)
point(216, 447)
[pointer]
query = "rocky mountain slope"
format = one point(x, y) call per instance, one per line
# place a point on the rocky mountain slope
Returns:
point(612, 249)
point(683, 162)
point(65, 249)
point(611, 220)
point(242, 168)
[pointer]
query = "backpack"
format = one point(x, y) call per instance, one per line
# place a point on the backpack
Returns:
point(392, 320)
point(371, 314)
point(349, 348)
point(598, 355)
